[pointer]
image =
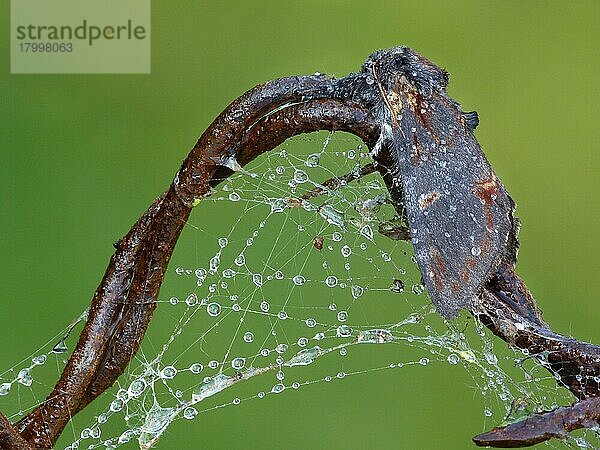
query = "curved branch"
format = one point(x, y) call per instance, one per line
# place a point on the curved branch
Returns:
point(541, 427)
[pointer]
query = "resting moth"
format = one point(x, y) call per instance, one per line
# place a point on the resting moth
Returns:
point(459, 213)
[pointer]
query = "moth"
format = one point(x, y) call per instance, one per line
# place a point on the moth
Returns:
point(460, 216)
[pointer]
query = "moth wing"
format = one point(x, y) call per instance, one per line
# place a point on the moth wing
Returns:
point(459, 212)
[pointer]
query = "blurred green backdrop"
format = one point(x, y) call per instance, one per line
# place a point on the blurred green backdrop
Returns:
point(83, 156)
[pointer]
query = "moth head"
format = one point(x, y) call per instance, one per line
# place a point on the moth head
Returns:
point(391, 64)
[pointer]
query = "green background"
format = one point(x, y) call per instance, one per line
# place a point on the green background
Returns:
point(83, 156)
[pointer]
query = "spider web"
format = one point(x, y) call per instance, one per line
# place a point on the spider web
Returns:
point(269, 292)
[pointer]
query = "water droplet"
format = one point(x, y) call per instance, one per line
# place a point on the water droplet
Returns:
point(282, 315)
point(189, 413)
point(302, 342)
point(300, 176)
point(424, 361)
point(173, 301)
point(278, 388)
point(475, 251)
point(196, 368)
point(337, 236)
point(299, 280)
point(168, 372)
point(191, 300)
point(214, 263)
point(234, 197)
point(367, 232)
point(213, 309)
point(346, 251)
point(39, 360)
point(136, 387)
point(313, 160)
point(357, 291)
point(279, 275)
point(116, 405)
point(280, 375)
point(453, 359)
point(281, 348)
point(5, 388)
point(238, 363)
point(487, 412)
point(248, 336)
point(229, 273)
point(417, 289)
point(342, 316)
point(24, 377)
point(257, 279)
point(397, 286)
point(310, 323)
point(264, 306)
point(343, 331)
point(223, 242)
point(331, 281)
point(213, 364)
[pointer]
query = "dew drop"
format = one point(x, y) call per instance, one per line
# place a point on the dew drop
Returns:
point(281, 348)
point(357, 291)
point(313, 160)
point(196, 368)
point(5, 388)
point(189, 413)
point(39, 360)
point(278, 388)
point(299, 280)
point(310, 322)
point(238, 363)
point(229, 273)
point(136, 387)
point(331, 281)
point(453, 359)
point(248, 336)
point(343, 331)
point(24, 377)
point(168, 372)
point(191, 300)
point(213, 309)
point(300, 176)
